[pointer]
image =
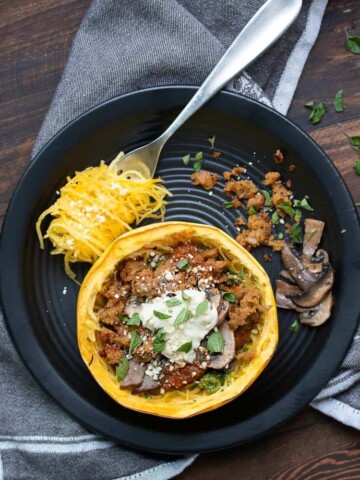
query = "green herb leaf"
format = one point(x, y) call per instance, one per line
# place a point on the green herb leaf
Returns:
point(357, 167)
point(294, 327)
point(280, 235)
point(216, 342)
point(197, 166)
point(275, 218)
point(309, 105)
point(303, 204)
point(317, 113)
point(355, 142)
point(202, 307)
point(134, 320)
point(185, 296)
point(198, 156)
point(183, 316)
point(159, 342)
point(122, 369)
point(173, 302)
point(186, 159)
point(185, 347)
point(161, 315)
point(268, 198)
point(297, 215)
point(183, 264)
point(228, 204)
point(352, 43)
point(252, 211)
point(123, 318)
point(295, 233)
point(338, 101)
point(228, 296)
point(287, 209)
point(135, 341)
point(212, 141)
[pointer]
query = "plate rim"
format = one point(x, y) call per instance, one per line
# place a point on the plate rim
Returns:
point(73, 397)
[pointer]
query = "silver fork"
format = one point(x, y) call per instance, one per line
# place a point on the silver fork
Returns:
point(265, 27)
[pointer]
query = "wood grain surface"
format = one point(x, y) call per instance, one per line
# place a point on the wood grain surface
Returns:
point(36, 36)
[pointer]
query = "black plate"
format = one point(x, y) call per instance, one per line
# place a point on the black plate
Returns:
point(42, 320)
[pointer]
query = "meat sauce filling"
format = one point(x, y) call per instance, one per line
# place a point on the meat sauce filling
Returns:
point(194, 296)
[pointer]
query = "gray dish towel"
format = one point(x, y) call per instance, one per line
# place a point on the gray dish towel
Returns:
point(123, 46)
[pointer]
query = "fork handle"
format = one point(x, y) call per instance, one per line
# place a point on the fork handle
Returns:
point(264, 28)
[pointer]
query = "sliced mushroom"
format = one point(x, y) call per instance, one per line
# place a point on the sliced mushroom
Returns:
point(302, 276)
point(320, 259)
point(135, 375)
point(287, 275)
point(318, 315)
point(219, 303)
point(312, 236)
point(223, 310)
point(220, 360)
point(317, 291)
point(148, 384)
point(283, 290)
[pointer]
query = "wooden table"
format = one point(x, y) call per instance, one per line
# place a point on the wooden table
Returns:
point(36, 36)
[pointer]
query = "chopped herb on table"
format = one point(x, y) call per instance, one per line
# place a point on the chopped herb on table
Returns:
point(355, 142)
point(317, 112)
point(185, 347)
point(134, 320)
point(338, 101)
point(228, 204)
point(186, 159)
point(159, 342)
point(357, 167)
point(352, 43)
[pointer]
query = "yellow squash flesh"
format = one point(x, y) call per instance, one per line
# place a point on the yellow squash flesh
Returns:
point(187, 403)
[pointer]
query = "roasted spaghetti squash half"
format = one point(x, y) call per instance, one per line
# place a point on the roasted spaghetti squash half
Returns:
point(176, 319)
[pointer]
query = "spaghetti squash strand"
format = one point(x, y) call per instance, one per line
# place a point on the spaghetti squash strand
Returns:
point(95, 207)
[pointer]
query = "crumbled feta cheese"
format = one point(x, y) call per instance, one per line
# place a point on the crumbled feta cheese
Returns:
point(64, 292)
point(194, 329)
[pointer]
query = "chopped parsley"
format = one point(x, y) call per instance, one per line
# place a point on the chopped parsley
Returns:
point(135, 341)
point(211, 140)
point(287, 209)
point(122, 369)
point(317, 112)
point(183, 316)
point(185, 296)
point(294, 327)
point(216, 343)
point(355, 142)
point(183, 264)
point(160, 315)
point(186, 159)
point(228, 204)
point(296, 233)
point(134, 320)
point(275, 218)
point(352, 43)
point(173, 302)
point(252, 210)
point(303, 204)
point(357, 167)
point(159, 342)
point(338, 101)
point(268, 198)
point(202, 307)
point(230, 297)
point(185, 347)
